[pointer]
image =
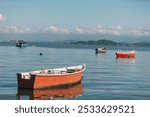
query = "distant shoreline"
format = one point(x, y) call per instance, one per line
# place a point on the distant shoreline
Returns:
point(82, 44)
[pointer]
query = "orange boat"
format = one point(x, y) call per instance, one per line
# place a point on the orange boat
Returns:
point(50, 77)
point(125, 54)
point(51, 94)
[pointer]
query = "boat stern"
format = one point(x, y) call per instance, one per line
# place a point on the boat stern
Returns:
point(25, 81)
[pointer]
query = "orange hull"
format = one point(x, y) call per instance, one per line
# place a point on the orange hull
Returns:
point(44, 80)
point(47, 94)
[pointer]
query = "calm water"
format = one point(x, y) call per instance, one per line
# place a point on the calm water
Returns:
point(105, 76)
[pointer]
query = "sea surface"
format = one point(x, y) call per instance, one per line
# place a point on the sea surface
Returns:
point(105, 76)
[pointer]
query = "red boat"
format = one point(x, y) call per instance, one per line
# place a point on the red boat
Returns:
point(50, 77)
point(51, 94)
point(125, 54)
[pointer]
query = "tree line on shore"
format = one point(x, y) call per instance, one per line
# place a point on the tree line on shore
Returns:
point(109, 42)
point(89, 42)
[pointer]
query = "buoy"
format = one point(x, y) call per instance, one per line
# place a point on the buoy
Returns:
point(41, 54)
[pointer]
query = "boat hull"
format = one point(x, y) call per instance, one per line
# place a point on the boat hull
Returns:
point(125, 54)
point(38, 81)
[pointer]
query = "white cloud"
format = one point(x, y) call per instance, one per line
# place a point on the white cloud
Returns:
point(139, 32)
point(55, 29)
point(2, 17)
point(118, 27)
point(14, 29)
point(98, 29)
point(79, 30)
point(117, 30)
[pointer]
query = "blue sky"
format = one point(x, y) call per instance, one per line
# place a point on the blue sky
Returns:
point(118, 17)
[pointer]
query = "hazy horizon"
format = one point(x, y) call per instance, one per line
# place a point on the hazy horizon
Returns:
point(70, 37)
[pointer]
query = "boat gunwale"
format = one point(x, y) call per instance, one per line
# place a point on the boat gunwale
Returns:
point(125, 52)
point(55, 74)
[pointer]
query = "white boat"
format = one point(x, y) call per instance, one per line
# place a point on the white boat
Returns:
point(100, 50)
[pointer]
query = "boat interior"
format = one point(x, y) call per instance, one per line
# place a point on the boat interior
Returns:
point(57, 71)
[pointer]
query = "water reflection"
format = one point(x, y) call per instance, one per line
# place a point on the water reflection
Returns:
point(50, 94)
point(125, 60)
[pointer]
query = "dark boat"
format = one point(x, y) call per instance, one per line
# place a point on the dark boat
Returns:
point(21, 43)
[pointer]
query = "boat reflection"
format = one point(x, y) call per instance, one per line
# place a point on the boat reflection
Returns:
point(51, 94)
point(124, 60)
